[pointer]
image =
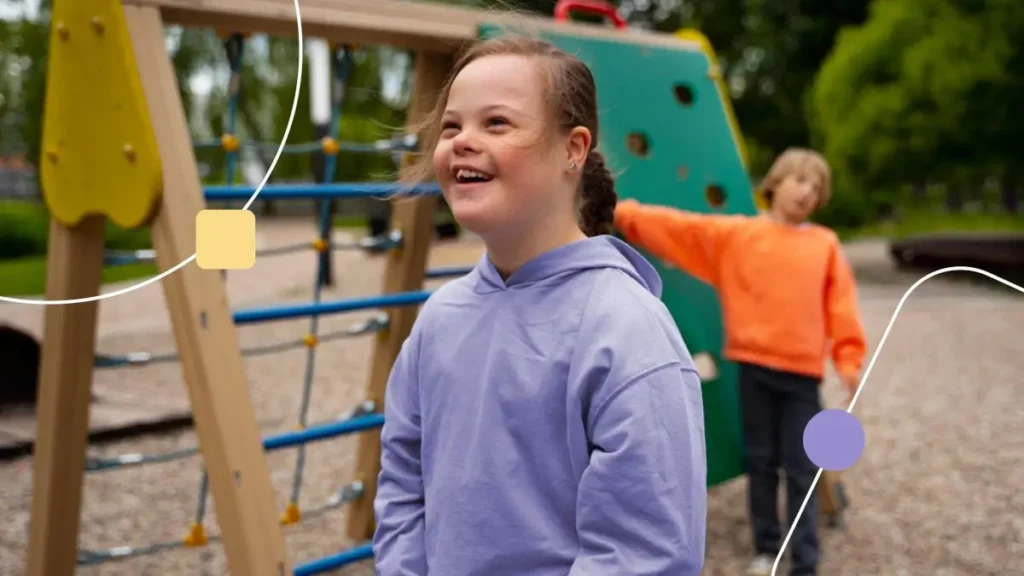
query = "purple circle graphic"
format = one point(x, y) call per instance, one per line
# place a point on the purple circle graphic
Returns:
point(834, 440)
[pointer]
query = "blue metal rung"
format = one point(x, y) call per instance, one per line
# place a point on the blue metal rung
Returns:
point(323, 431)
point(335, 561)
point(316, 191)
point(407, 144)
point(352, 425)
point(303, 310)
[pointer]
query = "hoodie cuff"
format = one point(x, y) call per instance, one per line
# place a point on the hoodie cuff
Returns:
point(623, 210)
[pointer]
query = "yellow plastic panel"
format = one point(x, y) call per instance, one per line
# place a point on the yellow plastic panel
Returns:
point(99, 153)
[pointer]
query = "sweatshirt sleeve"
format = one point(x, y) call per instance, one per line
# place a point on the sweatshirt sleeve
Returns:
point(398, 545)
point(690, 241)
point(845, 332)
point(641, 506)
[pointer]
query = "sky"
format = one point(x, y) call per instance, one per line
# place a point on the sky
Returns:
point(10, 9)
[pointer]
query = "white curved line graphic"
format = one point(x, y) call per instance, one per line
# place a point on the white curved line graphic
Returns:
point(280, 148)
point(867, 372)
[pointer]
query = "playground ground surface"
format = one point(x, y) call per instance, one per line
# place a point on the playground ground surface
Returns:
point(936, 492)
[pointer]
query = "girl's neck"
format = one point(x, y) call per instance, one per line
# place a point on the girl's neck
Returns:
point(510, 253)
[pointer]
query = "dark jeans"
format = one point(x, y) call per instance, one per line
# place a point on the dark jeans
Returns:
point(776, 408)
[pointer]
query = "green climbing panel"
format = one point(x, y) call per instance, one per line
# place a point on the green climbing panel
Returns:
point(667, 132)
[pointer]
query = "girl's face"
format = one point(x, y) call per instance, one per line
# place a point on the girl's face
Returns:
point(796, 197)
point(497, 159)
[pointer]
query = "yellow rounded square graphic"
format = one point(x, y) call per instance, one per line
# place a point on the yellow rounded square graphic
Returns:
point(225, 239)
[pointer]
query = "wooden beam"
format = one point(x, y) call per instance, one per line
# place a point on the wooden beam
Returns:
point(204, 330)
point(73, 270)
point(406, 24)
point(828, 493)
point(406, 270)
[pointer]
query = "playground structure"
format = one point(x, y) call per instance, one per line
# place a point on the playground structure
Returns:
point(678, 147)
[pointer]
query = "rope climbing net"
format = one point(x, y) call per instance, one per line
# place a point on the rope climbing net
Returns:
point(366, 415)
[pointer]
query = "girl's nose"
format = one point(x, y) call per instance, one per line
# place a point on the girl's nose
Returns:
point(464, 142)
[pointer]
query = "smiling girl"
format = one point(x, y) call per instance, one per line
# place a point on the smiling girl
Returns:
point(544, 417)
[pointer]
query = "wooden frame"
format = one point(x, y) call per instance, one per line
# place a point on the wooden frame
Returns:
point(405, 271)
point(202, 323)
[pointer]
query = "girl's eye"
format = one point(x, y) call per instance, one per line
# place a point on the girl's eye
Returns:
point(497, 121)
point(446, 126)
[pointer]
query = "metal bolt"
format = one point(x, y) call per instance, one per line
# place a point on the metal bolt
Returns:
point(129, 152)
point(97, 25)
point(63, 31)
point(51, 155)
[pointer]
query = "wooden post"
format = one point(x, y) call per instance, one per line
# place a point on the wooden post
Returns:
point(406, 270)
point(204, 329)
point(828, 493)
point(73, 270)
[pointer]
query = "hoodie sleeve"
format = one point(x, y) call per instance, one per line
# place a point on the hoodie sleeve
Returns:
point(641, 506)
point(398, 545)
point(691, 241)
point(845, 331)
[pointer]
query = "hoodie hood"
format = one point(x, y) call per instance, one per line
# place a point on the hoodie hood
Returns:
point(598, 252)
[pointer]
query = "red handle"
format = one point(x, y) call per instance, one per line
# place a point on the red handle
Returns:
point(598, 7)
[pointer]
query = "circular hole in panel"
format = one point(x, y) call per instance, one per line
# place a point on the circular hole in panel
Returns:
point(683, 93)
point(638, 143)
point(715, 195)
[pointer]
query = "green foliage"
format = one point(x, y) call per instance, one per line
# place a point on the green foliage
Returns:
point(900, 99)
point(27, 276)
point(25, 228)
point(774, 55)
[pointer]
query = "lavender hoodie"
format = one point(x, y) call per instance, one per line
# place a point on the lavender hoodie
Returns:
point(550, 424)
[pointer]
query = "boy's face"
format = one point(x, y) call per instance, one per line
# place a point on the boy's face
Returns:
point(796, 197)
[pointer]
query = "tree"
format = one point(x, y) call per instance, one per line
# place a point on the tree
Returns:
point(782, 45)
point(903, 97)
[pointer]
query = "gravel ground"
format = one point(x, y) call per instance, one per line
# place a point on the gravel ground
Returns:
point(935, 492)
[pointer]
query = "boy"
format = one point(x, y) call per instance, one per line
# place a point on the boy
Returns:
point(788, 301)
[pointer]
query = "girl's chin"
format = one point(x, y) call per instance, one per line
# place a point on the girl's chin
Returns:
point(476, 216)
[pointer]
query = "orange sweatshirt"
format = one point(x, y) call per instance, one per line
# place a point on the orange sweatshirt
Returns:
point(787, 292)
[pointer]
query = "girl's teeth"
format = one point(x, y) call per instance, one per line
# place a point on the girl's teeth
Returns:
point(464, 174)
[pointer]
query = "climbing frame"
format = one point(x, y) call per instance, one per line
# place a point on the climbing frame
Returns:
point(667, 132)
point(149, 178)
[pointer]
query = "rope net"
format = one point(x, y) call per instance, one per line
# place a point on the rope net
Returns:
point(362, 417)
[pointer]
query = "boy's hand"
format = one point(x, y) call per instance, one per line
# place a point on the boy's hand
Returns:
point(851, 381)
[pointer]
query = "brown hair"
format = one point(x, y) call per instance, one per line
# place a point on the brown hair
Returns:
point(793, 161)
point(572, 93)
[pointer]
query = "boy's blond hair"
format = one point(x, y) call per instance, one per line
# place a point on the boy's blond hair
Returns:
point(793, 161)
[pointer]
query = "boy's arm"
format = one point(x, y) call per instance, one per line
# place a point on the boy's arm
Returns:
point(844, 325)
point(641, 506)
point(398, 546)
point(691, 241)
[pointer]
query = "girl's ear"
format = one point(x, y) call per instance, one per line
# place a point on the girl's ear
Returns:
point(577, 146)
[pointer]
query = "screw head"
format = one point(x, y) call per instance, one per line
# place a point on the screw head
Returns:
point(97, 25)
point(62, 31)
point(129, 152)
